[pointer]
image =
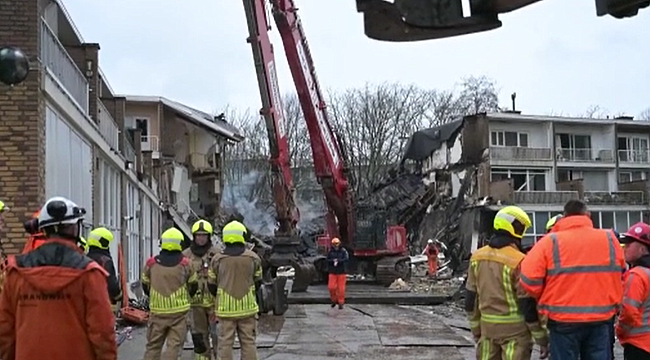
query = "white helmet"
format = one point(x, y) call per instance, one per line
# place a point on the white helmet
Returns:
point(59, 210)
point(430, 241)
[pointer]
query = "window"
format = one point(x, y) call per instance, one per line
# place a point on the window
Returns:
point(509, 138)
point(523, 180)
point(574, 147)
point(629, 176)
point(617, 220)
point(142, 124)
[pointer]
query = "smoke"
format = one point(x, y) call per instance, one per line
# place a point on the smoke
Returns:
point(243, 197)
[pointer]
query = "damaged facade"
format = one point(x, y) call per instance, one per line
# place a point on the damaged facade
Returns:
point(473, 166)
point(182, 155)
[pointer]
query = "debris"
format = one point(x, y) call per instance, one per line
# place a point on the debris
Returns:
point(399, 284)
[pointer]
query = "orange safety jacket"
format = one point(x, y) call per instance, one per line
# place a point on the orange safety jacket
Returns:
point(33, 241)
point(575, 272)
point(634, 319)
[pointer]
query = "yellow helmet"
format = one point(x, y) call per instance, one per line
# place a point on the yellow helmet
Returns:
point(3, 207)
point(552, 221)
point(100, 237)
point(234, 233)
point(171, 240)
point(513, 220)
point(83, 244)
point(202, 227)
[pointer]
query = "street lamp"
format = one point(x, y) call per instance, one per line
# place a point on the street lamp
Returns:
point(14, 65)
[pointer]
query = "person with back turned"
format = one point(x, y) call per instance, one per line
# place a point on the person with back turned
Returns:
point(503, 318)
point(169, 282)
point(54, 304)
point(575, 274)
point(237, 276)
point(98, 243)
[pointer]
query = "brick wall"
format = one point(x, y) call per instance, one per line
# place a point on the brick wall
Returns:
point(22, 125)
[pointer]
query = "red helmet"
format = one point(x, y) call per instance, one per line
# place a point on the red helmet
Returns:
point(638, 232)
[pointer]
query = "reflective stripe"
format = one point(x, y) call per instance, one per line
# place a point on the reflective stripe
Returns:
point(474, 324)
point(540, 334)
point(577, 309)
point(501, 319)
point(531, 282)
point(510, 350)
point(233, 232)
point(513, 309)
point(645, 310)
point(558, 269)
point(170, 241)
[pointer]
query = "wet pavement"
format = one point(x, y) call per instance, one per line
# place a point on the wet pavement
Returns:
point(318, 332)
point(364, 293)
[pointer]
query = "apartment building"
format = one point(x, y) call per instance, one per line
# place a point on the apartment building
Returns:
point(548, 160)
point(66, 132)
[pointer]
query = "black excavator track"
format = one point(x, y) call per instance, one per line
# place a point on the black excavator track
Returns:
point(391, 268)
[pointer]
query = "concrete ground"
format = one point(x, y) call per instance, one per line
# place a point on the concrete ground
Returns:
point(317, 332)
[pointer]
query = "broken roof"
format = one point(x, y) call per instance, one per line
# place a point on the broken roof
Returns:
point(424, 142)
point(197, 117)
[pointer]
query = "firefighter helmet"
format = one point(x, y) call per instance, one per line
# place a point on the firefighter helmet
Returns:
point(58, 211)
point(552, 221)
point(513, 220)
point(83, 244)
point(100, 237)
point(639, 232)
point(171, 240)
point(234, 233)
point(202, 227)
point(3, 207)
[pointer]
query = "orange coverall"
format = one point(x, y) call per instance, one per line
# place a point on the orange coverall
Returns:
point(431, 251)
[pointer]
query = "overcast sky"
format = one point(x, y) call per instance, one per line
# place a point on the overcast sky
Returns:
point(557, 55)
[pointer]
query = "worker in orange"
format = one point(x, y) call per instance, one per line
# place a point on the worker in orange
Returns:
point(337, 259)
point(575, 274)
point(503, 318)
point(633, 328)
point(36, 238)
point(431, 251)
point(54, 304)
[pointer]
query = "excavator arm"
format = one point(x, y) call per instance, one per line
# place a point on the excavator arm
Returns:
point(329, 162)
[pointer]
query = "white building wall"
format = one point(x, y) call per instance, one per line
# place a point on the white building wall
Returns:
point(132, 231)
point(602, 137)
point(110, 183)
point(68, 163)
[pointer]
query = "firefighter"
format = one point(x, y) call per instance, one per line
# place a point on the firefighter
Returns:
point(575, 273)
point(83, 244)
point(431, 251)
point(337, 259)
point(503, 318)
point(169, 282)
point(633, 328)
point(551, 222)
point(99, 242)
point(54, 304)
point(200, 254)
point(3, 209)
point(238, 275)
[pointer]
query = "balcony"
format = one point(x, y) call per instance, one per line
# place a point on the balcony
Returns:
point(615, 198)
point(585, 155)
point(149, 143)
point(108, 127)
point(634, 156)
point(129, 152)
point(56, 59)
point(520, 153)
point(544, 197)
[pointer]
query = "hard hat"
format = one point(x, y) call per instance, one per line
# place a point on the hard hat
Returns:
point(3, 207)
point(430, 241)
point(59, 210)
point(336, 241)
point(83, 244)
point(171, 240)
point(100, 237)
point(202, 227)
point(552, 221)
point(234, 232)
point(639, 232)
point(513, 220)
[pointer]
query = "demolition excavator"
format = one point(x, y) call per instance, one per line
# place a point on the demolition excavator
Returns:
point(377, 246)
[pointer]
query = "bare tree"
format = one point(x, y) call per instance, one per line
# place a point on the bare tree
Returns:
point(477, 95)
point(645, 115)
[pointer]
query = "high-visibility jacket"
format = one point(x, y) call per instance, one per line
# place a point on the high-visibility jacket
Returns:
point(166, 278)
point(33, 241)
point(575, 272)
point(497, 305)
point(236, 272)
point(201, 266)
point(634, 319)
